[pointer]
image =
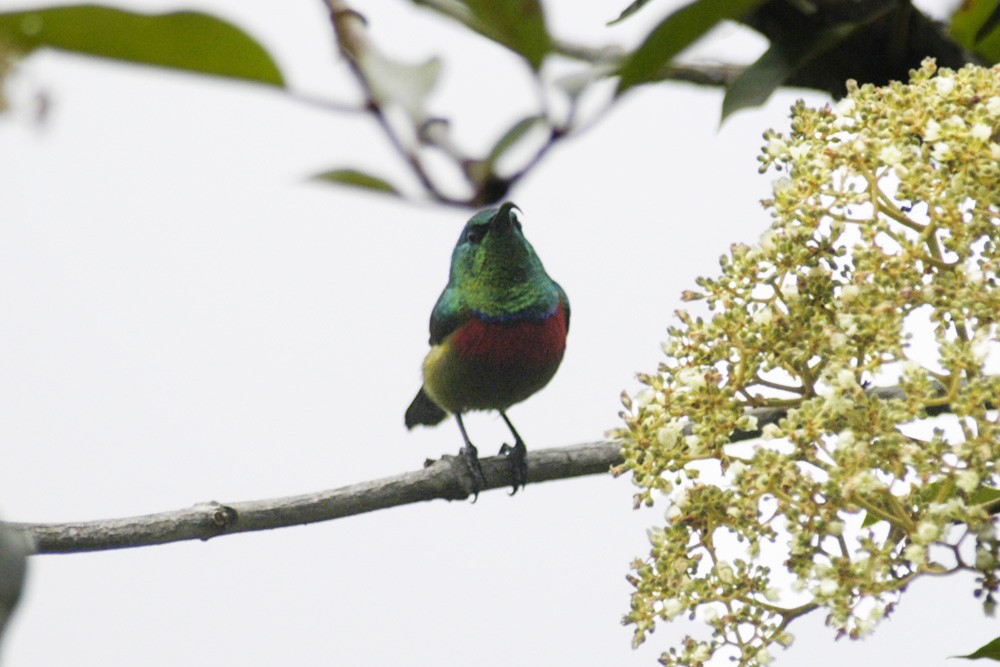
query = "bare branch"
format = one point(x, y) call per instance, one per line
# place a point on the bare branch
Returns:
point(447, 478)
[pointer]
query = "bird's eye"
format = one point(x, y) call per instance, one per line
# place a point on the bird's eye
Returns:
point(515, 216)
point(475, 234)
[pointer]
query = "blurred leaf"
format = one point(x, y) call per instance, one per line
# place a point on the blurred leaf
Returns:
point(187, 41)
point(943, 489)
point(676, 32)
point(358, 179)
point(974, 26)
point(512, 136)
point(576, 83)
point(401, 83)
point(984, 494)
point(517, 24)
point(14, 549)
point(990, 650)
point(939, 491)
point(989, 25)
point(754, 86)
point(628, 11)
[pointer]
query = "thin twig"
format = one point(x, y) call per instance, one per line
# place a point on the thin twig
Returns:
point(324, 104)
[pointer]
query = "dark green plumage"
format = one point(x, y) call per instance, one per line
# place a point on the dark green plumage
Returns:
point(496, 275)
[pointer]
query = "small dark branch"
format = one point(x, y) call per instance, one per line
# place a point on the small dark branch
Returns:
point(325, 104)
point(447, 478)
point(764, 417)
point(412, 159)
point(703, 75)
point(558, 133)
point(555, 134)
point(586, 53)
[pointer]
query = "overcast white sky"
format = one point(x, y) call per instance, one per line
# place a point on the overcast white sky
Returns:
point(183, 318)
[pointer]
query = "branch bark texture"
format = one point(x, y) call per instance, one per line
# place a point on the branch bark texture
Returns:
point(447, 479)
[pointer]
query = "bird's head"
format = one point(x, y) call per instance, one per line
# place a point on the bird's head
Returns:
point(493, 265)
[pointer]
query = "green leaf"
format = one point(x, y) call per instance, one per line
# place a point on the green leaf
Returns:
point(984, 494)
point(517, 24)
point(754, 86)
point(628, 11)
point(939, 491)
point(989, 25)
point(990, 650)
point(358, 179)
point(974, 25)
point(187, 41)
point(407, 85)
point(942, 490)
point(511, 137)
point(674, 34)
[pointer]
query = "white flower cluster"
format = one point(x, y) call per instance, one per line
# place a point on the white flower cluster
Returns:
point(887, 204)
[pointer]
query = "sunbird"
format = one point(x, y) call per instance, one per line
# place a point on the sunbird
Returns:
point(498, 333)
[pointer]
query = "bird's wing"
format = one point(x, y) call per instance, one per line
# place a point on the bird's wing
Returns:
point(445, 317)
point(565, 302)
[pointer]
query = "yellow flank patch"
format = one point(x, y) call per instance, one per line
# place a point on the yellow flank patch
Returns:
point(439, 377)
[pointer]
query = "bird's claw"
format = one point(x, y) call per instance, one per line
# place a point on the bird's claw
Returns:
point(470, 455)
point(518, 457)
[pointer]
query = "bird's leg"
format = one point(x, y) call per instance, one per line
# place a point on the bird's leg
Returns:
point(517, 455)
point(470, 455)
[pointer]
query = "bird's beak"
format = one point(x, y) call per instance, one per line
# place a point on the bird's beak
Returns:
point(503, 221)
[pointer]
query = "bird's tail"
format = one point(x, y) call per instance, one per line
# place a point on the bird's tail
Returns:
point(424, 411)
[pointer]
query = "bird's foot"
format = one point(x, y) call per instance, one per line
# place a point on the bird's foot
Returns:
point(470, 455)
point(518, 457)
